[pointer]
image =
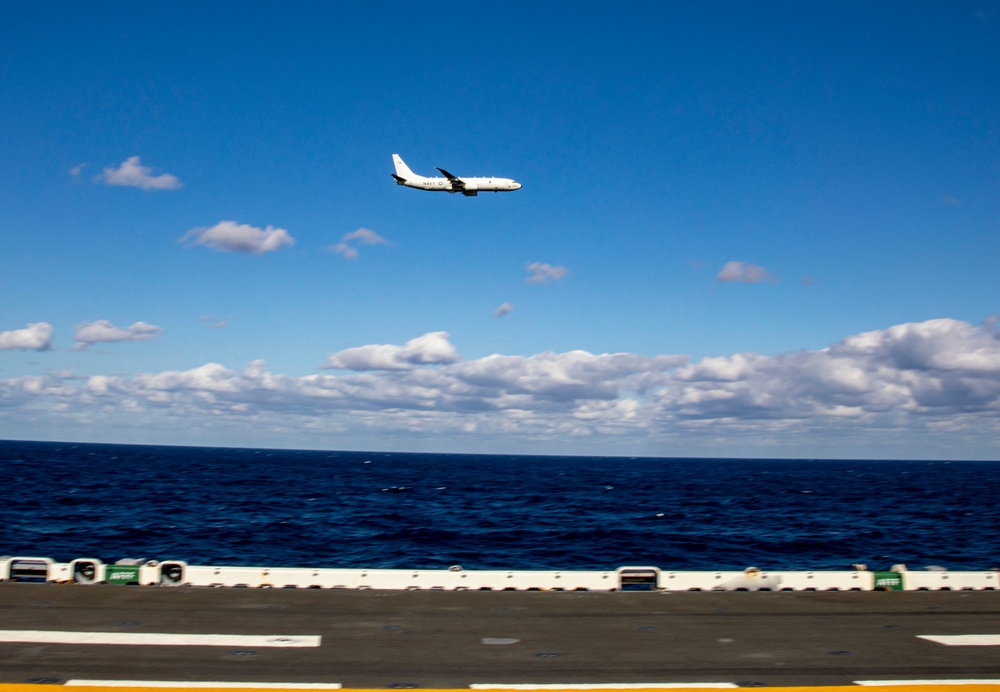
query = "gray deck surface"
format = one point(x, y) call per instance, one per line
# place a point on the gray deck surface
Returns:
point(443, 639)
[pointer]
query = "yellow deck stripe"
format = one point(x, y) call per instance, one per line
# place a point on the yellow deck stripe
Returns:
point(922, 687)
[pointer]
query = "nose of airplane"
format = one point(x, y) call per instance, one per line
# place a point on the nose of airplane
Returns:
point(517, 186)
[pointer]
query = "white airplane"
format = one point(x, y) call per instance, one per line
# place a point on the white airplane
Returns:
point(470, 187)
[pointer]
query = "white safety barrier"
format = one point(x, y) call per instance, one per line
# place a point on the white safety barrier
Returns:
point(21, 568)
point(753, 579)
point(943, 580)
point(179, 573)
point(703, 581)
point(79, 571)
point(396, 579)
point(86, 571)
point(825, 581)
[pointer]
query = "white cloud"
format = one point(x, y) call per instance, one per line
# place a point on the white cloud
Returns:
point(745, 273)
point(939, 368)
point(503, 309)
point(345, 250)
point(554, 380)
point(34, 337)
point(131, 173)
point(542, 273)
point(429, 349)
point(364, 236)
point(229, 236)
point(213, 323)
point(76, 170)
point(102, 331)
point(919, 384)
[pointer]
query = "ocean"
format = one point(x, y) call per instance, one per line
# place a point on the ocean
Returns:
point(265, 507)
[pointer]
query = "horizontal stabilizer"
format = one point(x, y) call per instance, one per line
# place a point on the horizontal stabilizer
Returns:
point(399, 180)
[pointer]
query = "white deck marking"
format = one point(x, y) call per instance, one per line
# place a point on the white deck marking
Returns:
point(886, 683)
point(963, 639)
point(154, 639)
point(609, 686)
point(213, 685)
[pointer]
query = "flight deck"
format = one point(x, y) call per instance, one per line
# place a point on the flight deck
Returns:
point(387, 639)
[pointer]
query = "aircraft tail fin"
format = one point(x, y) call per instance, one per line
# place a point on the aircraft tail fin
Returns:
point(402, 170)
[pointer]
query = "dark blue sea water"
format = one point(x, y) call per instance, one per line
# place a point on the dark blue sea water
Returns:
point(367, 509)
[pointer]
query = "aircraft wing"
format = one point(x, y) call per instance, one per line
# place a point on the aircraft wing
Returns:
point(456, 182)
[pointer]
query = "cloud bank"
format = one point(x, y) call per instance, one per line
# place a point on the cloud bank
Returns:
point(937, 380)
point(102, 331)
point(131, 173)
point(34, 337)
point(229, 236)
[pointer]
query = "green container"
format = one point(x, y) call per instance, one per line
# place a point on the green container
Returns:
point(122, 574)
point(888, 581)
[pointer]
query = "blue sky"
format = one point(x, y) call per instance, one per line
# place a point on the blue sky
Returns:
point(769, 229)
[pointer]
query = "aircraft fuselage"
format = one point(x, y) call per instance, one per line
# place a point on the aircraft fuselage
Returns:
point(469, 187)
point(467, 184)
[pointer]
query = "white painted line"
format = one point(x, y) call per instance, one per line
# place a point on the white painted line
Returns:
point(214, 685)
point(886, 683)
point(153, 639)
point(963, 639)
point(610, 686)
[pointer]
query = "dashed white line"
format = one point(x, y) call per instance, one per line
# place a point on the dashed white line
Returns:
point(157, 639)
point(206, 684)
point(963, 639)
point(609, 686)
